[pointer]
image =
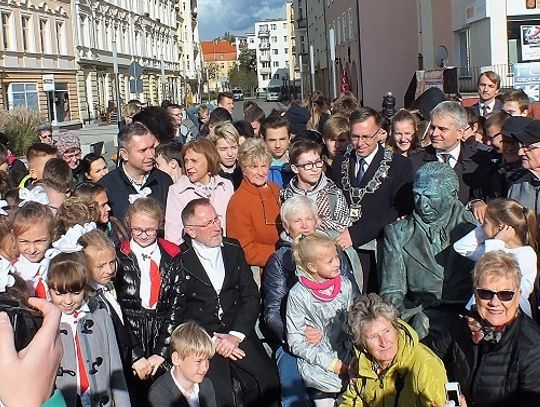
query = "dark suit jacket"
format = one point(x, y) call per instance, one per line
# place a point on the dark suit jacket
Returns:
point(476, 171)
point(392, 200)
point(239, 297)
point(164, 393)
point(497, 107)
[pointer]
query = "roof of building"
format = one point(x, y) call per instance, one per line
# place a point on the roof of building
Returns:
point(218, 50)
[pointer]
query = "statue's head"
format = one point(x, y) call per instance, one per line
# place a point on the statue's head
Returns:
point(435, 191)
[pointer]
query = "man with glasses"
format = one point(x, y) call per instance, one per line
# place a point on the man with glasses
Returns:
point(476, 172)
point(220, 294)
point(136, 173)
point(377, 185)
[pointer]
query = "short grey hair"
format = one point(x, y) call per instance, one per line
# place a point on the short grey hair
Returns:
point(434, 170)
point(294, 205)
point(454, 110)
point(44, 127)
point(252, 151)
point(497, 264)
point(366, 309)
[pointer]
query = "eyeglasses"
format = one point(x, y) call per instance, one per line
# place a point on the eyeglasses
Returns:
point(150, 232)
point(365, 139)
point(310, 165)
point(485, 294)
point(72, 156)
point(216, 220)
point(528, 147)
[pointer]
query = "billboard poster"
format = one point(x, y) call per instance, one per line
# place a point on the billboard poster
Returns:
point(527, 77)
point(530, 42)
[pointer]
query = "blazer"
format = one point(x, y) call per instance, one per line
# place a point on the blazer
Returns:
point(165, 393)
point(391, 200)
point(497, 107)
point(238, 299)
point(476, 170)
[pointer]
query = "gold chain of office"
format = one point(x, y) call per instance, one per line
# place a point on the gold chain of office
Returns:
point(356, 194)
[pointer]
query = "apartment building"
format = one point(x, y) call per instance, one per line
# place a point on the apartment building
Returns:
point(190, 50)
point(37, 61)
point(219, 57)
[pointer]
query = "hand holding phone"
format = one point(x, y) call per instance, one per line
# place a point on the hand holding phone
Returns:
point(453, 393)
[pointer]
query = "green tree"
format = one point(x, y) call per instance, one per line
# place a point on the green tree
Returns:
point(229, 37)
point(248, 60)
point(242, 78)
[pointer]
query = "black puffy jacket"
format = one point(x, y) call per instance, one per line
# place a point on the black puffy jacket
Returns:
point(500, 374)
point(277, 280)
point(165, 318)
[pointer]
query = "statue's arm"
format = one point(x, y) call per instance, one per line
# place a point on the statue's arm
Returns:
point(393, 275)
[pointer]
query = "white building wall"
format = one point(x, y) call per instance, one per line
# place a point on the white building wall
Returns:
point(275, 55)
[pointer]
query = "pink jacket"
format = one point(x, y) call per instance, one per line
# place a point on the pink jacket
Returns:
point(184, 191)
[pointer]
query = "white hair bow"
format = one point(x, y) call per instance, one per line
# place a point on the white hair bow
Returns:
point(143, 193)
point(68, 243)
point(3, 204)
point(36, 194)
point(6, 275)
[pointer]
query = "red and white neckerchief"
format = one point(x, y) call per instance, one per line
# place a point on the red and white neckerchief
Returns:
point(34, 274)
point(148, 259)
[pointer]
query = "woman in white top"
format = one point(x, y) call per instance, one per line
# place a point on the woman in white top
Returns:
point(510, 227)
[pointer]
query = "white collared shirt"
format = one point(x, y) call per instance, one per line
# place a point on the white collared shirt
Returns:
point(489, 107)
point(192, 397)
point(367, 161)
point(110, 297)
point(143, 255)
point(454, 155)
point(211, 259)
point(32, 273)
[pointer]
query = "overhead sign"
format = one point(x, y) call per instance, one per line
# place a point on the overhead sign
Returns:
point(135, 70)
point(48, 83)
point(530, 42)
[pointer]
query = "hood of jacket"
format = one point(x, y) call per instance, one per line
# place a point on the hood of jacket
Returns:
point(323, 181)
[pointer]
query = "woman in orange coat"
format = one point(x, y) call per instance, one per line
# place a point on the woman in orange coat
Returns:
point(253, 210)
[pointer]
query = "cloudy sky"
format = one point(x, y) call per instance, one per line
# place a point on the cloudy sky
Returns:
point(235, 16)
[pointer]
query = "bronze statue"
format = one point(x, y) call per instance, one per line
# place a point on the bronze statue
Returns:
point(422, 275)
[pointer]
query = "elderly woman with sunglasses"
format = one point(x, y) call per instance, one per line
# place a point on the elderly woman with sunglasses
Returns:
point(494, 353)
point(253, 211)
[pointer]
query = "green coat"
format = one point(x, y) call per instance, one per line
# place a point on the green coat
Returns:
point(419, 370)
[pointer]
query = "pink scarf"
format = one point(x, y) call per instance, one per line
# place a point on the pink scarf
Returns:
point(318, 288)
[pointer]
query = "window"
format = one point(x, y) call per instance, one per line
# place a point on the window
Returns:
point(350, 20)
point(275, 64)
point(285, 38)
point(273, 39)
point(285, 25)
point(344, 26)
point(60, 38)
point(44, 35)
point(275, 51)
point(23, 94)
point(273, 27)
point(5, 18)
point(286, 50)
point(338, 31)
point(27, 37)
point(276, 76)
point(465, 53)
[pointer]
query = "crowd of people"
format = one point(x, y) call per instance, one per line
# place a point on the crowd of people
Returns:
point(320, 255)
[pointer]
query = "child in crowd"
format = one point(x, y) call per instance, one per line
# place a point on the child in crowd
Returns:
point(169, 159)
point(516, 103)
point(403, 133)
point(101, 256)
point(145, 287)
point(335, 137)
point(510, 227)
point(74, 211)
point(320, 300)
point(57, 182)
point(90, 373)
point(191, 351)
point(37, 156)
point(33, 228)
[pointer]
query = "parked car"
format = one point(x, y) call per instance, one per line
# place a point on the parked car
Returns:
point(238, 94)
point(273, 94)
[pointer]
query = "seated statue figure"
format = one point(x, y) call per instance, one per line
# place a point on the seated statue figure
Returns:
point(421, 274)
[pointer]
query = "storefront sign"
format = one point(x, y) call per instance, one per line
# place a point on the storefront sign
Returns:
point(527, 77)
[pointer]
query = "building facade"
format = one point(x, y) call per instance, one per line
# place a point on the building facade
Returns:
point(37, 62)
point(219, 57)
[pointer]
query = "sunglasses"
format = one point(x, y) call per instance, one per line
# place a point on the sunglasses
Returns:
point(505, 295)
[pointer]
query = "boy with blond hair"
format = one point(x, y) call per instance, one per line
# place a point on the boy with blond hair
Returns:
point(185, 385)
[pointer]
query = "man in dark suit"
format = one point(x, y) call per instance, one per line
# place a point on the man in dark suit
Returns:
point(136, 173)
point(377, 185)
point(475, 168)
point(489, 84)
point(220, 294)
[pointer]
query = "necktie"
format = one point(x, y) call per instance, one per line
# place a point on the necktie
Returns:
point(485, 110)
point(84, 383)
point(361, 170)
point(41, 291)
point(155, 283)
point(446, 158)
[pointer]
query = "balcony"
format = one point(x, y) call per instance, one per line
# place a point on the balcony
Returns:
point(264, 45)
point(265, 70)
point(302, 23)
point(264, 58)
point(263, 32)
